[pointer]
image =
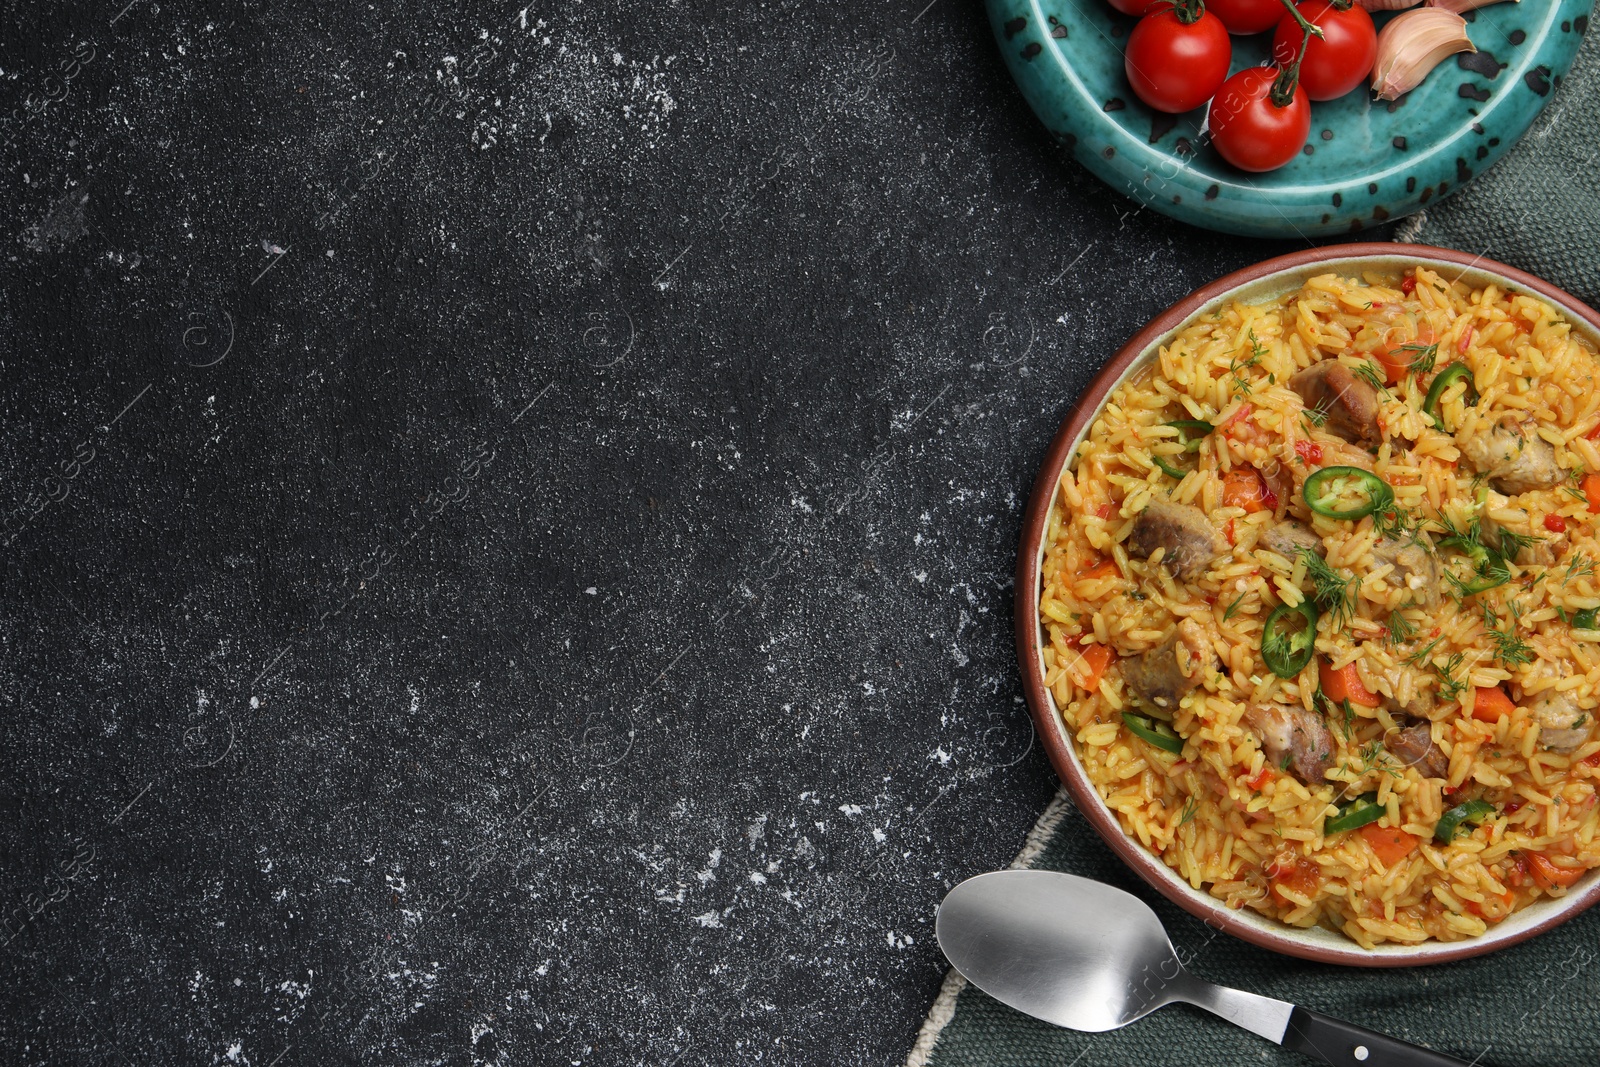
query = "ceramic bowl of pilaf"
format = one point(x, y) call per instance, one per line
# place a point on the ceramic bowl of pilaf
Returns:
point(1307, 604)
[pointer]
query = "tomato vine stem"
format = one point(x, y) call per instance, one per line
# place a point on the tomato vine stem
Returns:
point(1306, 27)
point(1288, 78)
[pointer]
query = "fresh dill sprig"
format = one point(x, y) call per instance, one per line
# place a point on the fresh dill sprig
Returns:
point(1423, 656)
point(1374, 757)
point(1573, 486)
point(1233, 609)
point(1237, 367)
point(1318, 415)
point(1333, 593)
point(1510, 649)
point(1512, 543)
point(1451, 685)
point(1401, 629)
point(1581, 566)
point(1423, 360)
point(1390, 519)
point(1190, 810)
point(1368, 372)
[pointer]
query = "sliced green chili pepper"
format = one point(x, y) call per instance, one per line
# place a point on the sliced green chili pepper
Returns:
point(1190, 431)
point(1472, 811)
point(1158, 734)
point(1586, 619)
point(1453, 373)
point(1286, 651)
point(1168, 469)
point(1377, 491)
point(1359, 812)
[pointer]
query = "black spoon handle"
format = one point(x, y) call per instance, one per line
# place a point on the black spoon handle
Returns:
point(1346, 1045)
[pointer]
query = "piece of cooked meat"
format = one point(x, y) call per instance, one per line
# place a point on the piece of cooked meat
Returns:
point(1294, 739)
point(1563, 726)
point(1351, 404)
point(1513, 455)
point(1288, 538)
point(1419, 705)
point(1414, 569)
point(1173, 669)
point(1184, 531)
point(1545, 548)
point(1414, 747)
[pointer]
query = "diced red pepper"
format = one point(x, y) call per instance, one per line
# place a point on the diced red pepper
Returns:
point(1103, 569)
point(1299, 875)
point(1309, 451)
point(1103, 511)
point(1555, 524)
point(1409, 286)
point(1475, 908)
point(1259, 779)
point(1466, 340)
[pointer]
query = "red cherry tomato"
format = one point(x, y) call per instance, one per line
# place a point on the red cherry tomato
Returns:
point(1338, 62)
point(1174, 65)
point(1252, 132)
point(1140, 7)
point(1246, 16)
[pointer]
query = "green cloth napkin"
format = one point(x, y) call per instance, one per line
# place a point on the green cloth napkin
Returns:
point(1533, 1005)
point(1538, 208)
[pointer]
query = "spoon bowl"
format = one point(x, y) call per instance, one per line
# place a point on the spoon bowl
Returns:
point(1087, 956)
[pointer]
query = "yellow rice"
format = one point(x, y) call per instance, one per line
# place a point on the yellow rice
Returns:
point(1221, 815)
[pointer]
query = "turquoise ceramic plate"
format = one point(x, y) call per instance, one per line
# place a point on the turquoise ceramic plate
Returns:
point(1367, 161)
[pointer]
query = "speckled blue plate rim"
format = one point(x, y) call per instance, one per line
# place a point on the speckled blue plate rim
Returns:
point(1474, 112)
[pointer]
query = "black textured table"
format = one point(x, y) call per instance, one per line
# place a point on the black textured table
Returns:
point(509, 519)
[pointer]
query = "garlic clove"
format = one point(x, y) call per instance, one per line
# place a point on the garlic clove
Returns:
point(1412, 44)
point(1391, 5)
point(1462, 6)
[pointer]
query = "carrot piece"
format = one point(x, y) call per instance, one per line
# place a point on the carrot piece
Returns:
point(1243, 487)
point(1345, 684)
point(1547, 875)
point(1491, 704)
point(1591, 491)
point(1389, 845)
point(1090, 667)
point(1396, 364)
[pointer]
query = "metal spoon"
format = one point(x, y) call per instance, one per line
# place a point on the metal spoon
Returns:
point(1086, 956)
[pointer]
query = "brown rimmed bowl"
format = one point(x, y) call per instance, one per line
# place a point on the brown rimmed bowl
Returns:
point(1261, 282)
